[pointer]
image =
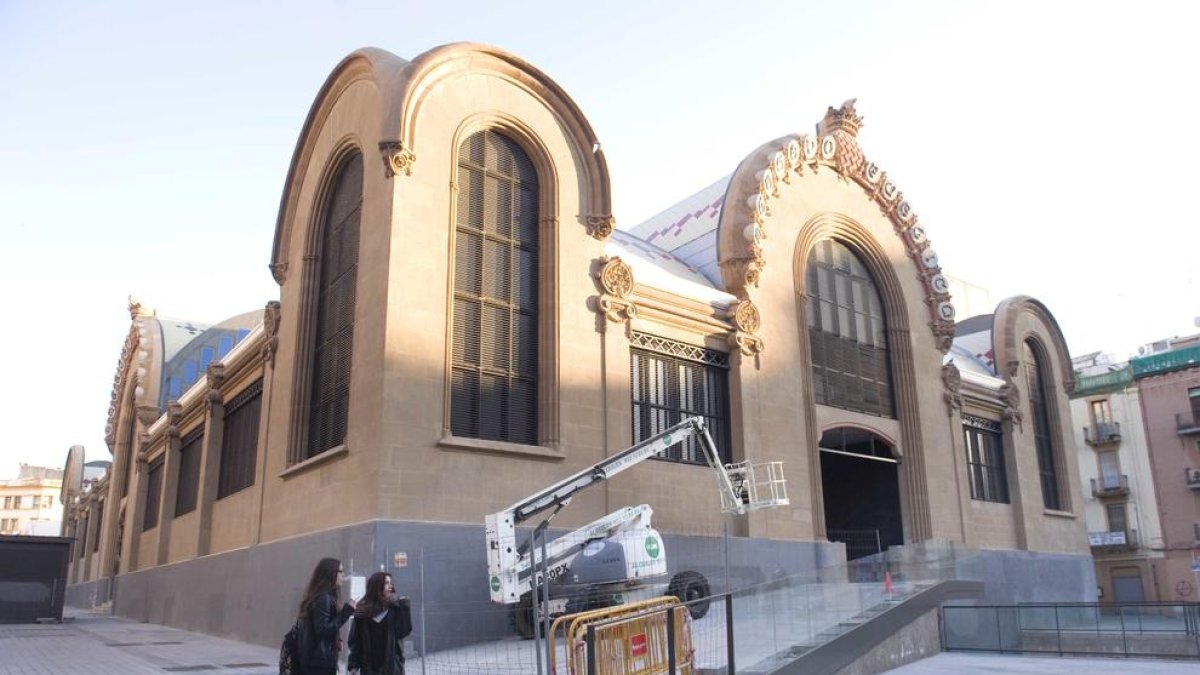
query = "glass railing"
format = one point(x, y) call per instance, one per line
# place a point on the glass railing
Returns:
point(778, 621)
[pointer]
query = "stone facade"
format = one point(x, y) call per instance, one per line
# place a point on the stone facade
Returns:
point(401, 470)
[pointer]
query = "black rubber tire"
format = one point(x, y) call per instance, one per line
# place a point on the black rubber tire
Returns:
point(690, 586)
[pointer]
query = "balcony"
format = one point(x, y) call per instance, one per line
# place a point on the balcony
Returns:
point(1187, 425)
point(1192, 476)
point(1110, 486)
point(1113, 542)
point(1102, 433)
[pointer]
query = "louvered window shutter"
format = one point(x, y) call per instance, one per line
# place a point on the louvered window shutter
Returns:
point(671, 381)
point(191, 447)
point(846, 335)
point(1042, 438)
point(338, 259)
point(494, 370)
point(154, 476)
point(239, 444)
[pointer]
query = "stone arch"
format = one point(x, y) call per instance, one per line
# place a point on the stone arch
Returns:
point(370, 65)
point(1011, 331)
point(903, 368)
point(309, 289)
point(1007, 342)
point(440, 64)
point(778, 166)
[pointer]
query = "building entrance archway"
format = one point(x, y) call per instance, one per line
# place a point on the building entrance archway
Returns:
point(861, 486)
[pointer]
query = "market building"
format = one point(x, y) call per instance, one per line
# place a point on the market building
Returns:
point(461, 322)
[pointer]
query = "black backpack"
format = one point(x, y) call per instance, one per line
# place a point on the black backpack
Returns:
point(289, 651)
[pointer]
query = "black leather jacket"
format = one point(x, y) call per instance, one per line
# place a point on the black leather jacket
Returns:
point(318, 640)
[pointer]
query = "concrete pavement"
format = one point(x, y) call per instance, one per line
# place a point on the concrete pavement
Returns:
point(106, 645)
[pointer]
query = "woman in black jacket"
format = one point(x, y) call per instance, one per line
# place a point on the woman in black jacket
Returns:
point(321, 619)
point(381, 621)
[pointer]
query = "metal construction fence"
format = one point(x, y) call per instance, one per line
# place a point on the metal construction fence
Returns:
point(757, 609)
point(1146, 629)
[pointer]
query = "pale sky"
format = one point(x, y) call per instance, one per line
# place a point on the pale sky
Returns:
point(1049, 149)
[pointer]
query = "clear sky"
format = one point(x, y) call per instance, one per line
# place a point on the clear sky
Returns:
point(1050, 148)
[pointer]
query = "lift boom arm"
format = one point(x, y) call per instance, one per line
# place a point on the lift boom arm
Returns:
point(508, 566)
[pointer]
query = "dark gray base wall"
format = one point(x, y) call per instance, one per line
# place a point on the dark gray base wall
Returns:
point(88, 594)
point(1012, 577)
point(252, 594)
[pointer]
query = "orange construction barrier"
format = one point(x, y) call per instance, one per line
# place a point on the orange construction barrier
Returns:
point(630, 639)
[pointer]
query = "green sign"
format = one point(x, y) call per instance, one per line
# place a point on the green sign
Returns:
point(495, 584)
point(652, 548)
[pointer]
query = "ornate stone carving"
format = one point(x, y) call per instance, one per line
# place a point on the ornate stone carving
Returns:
point(836, 145)
point(216, 379)
point(845, 119)
point(123, 362)
point(174, 413)
point(952, 383)
point(147, 414)
point(397, 158)
point(746, 317)
point(748, 269)
point(279, 272)
point(616, 278)
point(1010, 396)
point(270, 332)
point(747, 321)
point(600, 226)
point(943, 334)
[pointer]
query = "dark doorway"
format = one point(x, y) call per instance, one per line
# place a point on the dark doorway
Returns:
point(860, 482)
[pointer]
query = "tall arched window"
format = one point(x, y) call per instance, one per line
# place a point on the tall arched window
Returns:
point(333, 346)
point(1043, 439)
point(494, 370)
point(847, 332)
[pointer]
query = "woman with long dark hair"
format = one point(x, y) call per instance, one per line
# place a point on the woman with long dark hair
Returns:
point(381, 622)
point(320, 618)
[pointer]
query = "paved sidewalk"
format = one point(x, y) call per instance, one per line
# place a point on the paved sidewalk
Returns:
point(957, 663)
point(106, 645)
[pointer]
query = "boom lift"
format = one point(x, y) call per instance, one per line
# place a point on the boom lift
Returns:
point(610, 560)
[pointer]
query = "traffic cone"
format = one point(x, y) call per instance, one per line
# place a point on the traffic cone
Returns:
point(887, 583)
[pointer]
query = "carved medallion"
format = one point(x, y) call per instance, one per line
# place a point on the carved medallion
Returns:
point(746, 317)
point(397, 158)
point(617, 278)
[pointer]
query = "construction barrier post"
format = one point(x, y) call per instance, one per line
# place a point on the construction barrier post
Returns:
point(590, 640)
point(729, 632)
point(671, 665)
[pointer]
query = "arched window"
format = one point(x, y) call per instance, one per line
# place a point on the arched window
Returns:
point(333, 345)
point(494, 369)
point(847, 332)
point(1039, 405)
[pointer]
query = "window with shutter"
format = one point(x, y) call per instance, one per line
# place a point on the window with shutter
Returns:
point(191, 447)
point(1042, 436)
point(99, 526)
point(846, 331)
point(239, 442)
point(494, 359)
point(672, 381)
point(985, 459)
point(154, 479)
point(329, 395)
